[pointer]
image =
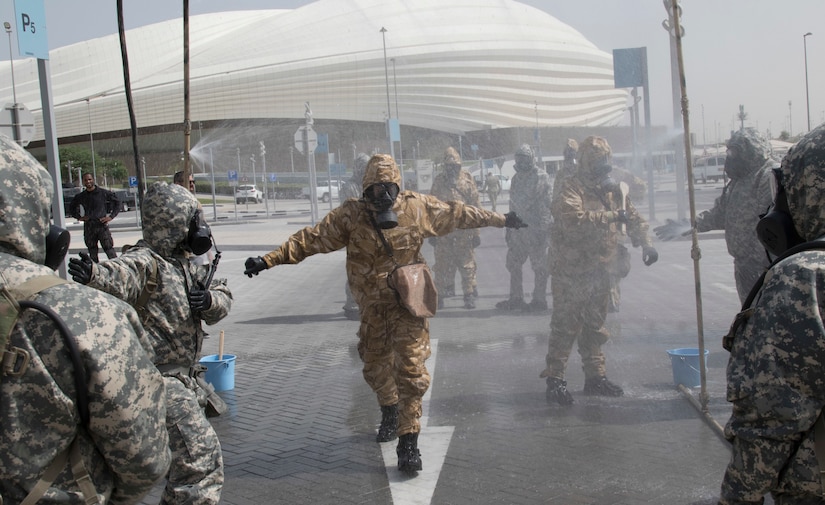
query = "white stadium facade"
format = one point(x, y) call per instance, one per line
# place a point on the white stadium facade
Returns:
point(447, 67)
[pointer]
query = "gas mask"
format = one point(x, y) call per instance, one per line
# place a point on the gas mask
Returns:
point(452, 170)
point(601, 167)
point(382, 197)
point(199, 237)
point(775, 229)
point(57, 245)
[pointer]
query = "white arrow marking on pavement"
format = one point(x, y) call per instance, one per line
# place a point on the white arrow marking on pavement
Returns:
point(433, 444)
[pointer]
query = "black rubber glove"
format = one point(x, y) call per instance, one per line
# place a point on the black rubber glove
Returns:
point(253, 266)
point(621, 216)
point(649, 255)
point(199, 299)
point(511, 220)
point(81, 269)
point(673, 229)
point(476, 241)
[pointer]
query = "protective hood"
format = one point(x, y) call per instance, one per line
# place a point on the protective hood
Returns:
point(750, 151)
point(803, 175)
point(524, 160)
point(167, 211)
point(451, 157)
point(381, 168)
point(571, 149)
point(26, 191)
point(592, 152)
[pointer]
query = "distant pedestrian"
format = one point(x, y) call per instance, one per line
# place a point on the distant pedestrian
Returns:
point(393, 343)
point(530, 196)
point(587, 215)
point(95, 207)
point(455, 252)
point(776, 368)
point(492, 186)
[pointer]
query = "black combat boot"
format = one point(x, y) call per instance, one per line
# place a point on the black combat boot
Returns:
point(389, 423)
point(511, 304)
point(409, 457)
point(557, 392)
point(600, 386)
point(469, 302)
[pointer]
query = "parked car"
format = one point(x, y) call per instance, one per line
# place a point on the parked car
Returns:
point(247, 192)
point(710, 168)
point(324, 191)
point(127, 199)
point(503, 179)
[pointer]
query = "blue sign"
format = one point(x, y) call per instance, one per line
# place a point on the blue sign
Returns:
point(323, 144)
point(232, 175)
point(273, 178)
point(31, 28)
point(132, 181)
point(395, 130)
point(337, 168)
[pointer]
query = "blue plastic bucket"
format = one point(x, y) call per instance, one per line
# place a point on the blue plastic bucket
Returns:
point(220, 372)
point(685, 364)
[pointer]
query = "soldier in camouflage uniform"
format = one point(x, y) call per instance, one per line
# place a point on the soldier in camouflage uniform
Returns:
point(454, 252)
point(586, 216)
point(530, 196)
point(352, 189)
point(124, 448)
point(775, 372)
point(393, 344)
point(172, 315)
point(746, 196)
point(568, 166)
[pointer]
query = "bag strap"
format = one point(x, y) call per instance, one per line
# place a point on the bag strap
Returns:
point(387, 246)
point(81, 475)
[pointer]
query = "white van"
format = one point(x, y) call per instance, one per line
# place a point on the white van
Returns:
point(709, 168)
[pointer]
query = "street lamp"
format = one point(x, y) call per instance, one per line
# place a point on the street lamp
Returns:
point(91, 137)
point(7, 26)
point(807, 97)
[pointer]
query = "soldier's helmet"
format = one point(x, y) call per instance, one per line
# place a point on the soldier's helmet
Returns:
point(26, 192)
point(167, 211)
point(803, 176)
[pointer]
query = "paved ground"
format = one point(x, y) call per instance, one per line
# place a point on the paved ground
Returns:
point(302, 420)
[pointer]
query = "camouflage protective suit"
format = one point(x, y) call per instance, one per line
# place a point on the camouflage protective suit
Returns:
point(125, 448)
point(744, 199)
point(393, 344)
point(530, 198)
point(776, 369)
point(196, 475)
point(454, 252)
point(585, 236)
point(352, 189)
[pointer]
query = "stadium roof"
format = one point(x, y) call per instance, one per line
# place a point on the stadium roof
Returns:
point(453, 66)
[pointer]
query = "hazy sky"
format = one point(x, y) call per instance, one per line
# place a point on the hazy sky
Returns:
point(747, 52)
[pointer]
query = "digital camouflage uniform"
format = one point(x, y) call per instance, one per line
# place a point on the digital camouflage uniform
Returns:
point(393, 344)
point(352, 189)
point(530, 197)
point(125, 449)
point(585, 236)
point(746, 196)
point(776, 369)
point(196, 475)
point(454, 252)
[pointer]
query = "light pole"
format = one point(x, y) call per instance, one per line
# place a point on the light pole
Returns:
point(807, 97)
point(389, 109)
point(7, 26)
point(91, 137)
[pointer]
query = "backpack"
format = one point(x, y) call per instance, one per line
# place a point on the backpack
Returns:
point(15, 362)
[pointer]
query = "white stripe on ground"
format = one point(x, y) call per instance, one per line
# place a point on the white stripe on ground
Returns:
point(433, 444)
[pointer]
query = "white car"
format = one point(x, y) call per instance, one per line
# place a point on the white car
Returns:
point(247, 193)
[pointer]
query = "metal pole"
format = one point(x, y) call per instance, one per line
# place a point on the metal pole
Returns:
point(91, 138)
point(807, 96)
point(187, 124)
point(214, 204)
point(263, 177)
point(679, 154)
point(14, 120)
point(389, 108)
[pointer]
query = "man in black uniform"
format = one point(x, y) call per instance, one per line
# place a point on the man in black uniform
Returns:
point(99, 206)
